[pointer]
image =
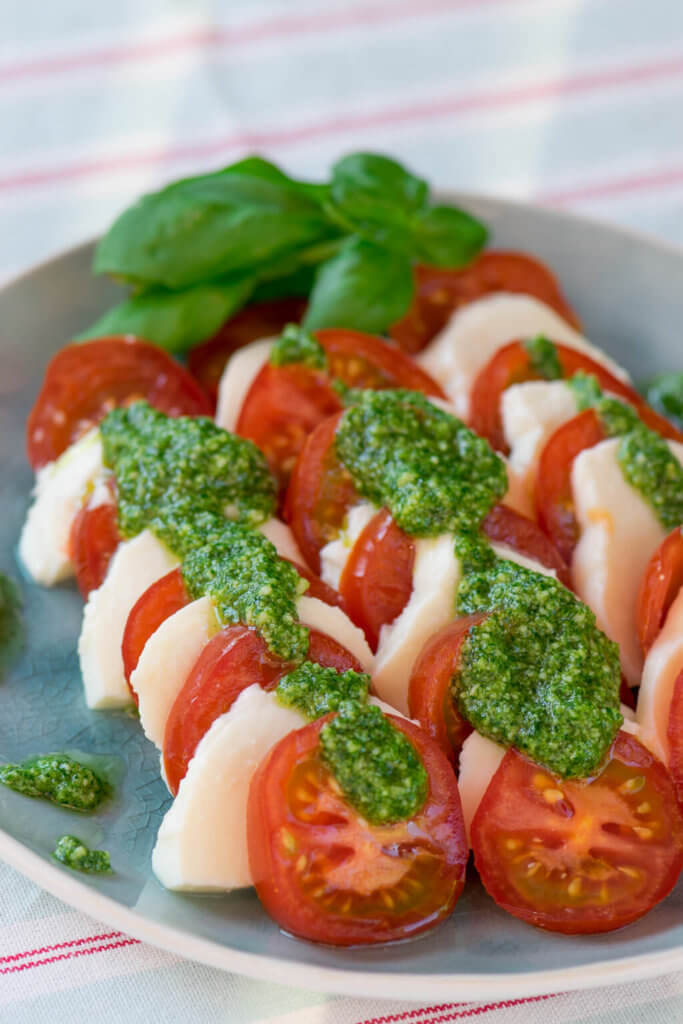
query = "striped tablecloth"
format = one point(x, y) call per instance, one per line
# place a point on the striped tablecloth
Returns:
point(570, 102)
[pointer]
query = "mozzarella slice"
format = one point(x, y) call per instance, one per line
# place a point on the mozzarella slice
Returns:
point(239, 374)
point(475, 332)
point(58, 495)
point(479, 761)
point(202, 842)
point(327, 618)
point(135, 566)
point(531, 412)
point(280, 535)
point(335, 554)
point(167, 660)
point(619, 534)
point(431, 606)
point(663, 664)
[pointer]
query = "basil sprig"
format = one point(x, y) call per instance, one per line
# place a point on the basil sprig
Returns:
point(196, 251)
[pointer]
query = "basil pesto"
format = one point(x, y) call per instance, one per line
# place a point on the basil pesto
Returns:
point(432, 472)
point(315, 690)
point(76, 855)
point(11, 621)
point(376, 766)
point(171, 470)
point(58, 778)
point(248, 582)
point(295, 345)
point(537, 673)
point(543, 357)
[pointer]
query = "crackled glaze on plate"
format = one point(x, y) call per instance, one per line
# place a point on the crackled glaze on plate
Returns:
point(628, 292)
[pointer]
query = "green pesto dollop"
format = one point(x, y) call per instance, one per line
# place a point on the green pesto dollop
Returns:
point(76, 855)
point(665, 394)
point(248, 582)
point(296, 345)
point(315, 690)
point(58, 778)
point(586, 389)
point(171, 470)
point(11, 621)
point(537, 673)
point(376, 766)
point(432, 472)
point(543, 357)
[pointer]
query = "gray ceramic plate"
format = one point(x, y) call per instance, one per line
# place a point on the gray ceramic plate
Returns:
point(629, 291)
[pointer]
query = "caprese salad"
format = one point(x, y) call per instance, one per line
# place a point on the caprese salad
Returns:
point(413, 592)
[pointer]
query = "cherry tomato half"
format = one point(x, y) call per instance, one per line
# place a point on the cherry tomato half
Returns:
point(84, 382)
point(323, 873)
point(554, 498)
point(206, 362)
point(93, 540)
point(439, 292)
point(661, 584)
point(232, 660)
point(285, 403)
point(580, 856)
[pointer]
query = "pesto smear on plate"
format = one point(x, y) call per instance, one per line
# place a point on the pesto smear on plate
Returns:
point(76, 855)
point(58, 778)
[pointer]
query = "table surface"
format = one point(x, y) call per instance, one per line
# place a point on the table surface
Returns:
point(573, 103)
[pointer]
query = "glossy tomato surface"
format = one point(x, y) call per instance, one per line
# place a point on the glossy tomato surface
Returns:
point(235, 658)
point(93, 540)
point(164, 598)
point(440, 292)
point(84, 382)
point(323, 873)
point(660, 587)
point(580, 856)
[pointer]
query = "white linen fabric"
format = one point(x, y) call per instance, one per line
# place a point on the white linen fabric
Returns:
point(575, 103)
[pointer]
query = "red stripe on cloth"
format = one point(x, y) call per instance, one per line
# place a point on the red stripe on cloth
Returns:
point(508, 96)
point(643, 182)
point(417, 1016)
point(11, 957)
point(68, 956)
point(126, 53)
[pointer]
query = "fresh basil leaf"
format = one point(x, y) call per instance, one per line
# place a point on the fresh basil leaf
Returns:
point(257, 167)
point(363, 183)
point(174, 320)
point(665, 394)
point(363, 286)
point(207, 227)
point(298, 284)
point(448, 237)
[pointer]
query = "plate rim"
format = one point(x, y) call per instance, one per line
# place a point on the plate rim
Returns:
point(344, 980)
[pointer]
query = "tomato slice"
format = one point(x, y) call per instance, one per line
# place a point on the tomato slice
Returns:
point(232, 660)
point(429, 693)
point(512, 364)
point(320, 493)
point(580, 857)
point(325, 874)
point(675, 737)
point(206, 362)
point(503, 525)
point(84, 382)
point(377, 580)
point(661, 584)
point(554, 499)
point(164, 598)
point(439, 292)
point(93, 540)
point(285, 403)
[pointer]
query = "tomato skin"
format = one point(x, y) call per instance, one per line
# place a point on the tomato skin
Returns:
point(234, 659)
point(429, 697)
point(320, 493)
point(93, 539)
point(377, 580)
point(165, 597)
point(439, 292)
point(206, 362)
point(553, 492)
point(365, 361)
point(504, 525)
point(83, 383)
point(661, 584)
point(332, 838)
point(675, 737)
point(512, 364)
point(588, 831)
